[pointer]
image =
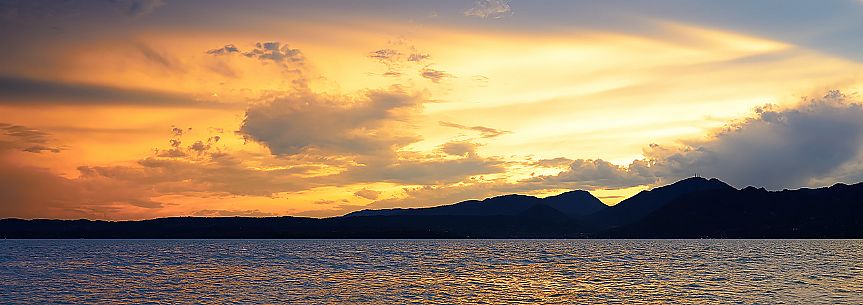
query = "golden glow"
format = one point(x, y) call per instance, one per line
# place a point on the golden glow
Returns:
point(574, 93)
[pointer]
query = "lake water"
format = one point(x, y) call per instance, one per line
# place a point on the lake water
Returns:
point(431, 271)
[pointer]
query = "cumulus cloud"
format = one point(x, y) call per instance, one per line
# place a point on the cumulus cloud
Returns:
point(276, 52)
point(817, 142)
point(370, 124)
point(485, 9)
point(597, 174)
point(486, 132)
point(776, 148)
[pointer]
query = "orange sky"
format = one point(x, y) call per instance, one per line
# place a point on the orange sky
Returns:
point(143, 109)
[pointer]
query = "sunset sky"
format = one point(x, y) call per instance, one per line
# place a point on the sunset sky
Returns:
point(134, 109)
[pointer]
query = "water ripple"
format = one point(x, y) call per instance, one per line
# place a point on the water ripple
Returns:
point(431, 271)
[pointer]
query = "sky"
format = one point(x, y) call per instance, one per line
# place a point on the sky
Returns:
point(137, 109)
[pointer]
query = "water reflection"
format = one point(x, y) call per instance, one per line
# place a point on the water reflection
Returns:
point(430, 271)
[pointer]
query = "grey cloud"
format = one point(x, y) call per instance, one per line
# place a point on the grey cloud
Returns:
point(385, 55)
point(25, 139)
point(777, 148)
point(227, 49)
point(232, 213)
point(555, 162)
point(459, 148)
point(24, 194)
point(22, 91)
point(427, 170)
point(156, 57)
point(815, 143)
point(494, 9)
point(137, 8)
point(418, 57)
point(597, 174)
point(434, 75)
point(369, 125)
point(276, 52)
point(486, 132)
point(367, 194)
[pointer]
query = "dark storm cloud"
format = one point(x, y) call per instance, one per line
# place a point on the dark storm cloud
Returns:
point(22, 91)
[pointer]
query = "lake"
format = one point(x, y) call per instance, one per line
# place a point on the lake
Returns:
point(431, 271)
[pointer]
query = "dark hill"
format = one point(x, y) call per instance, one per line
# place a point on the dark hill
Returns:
point(645, 202)
point(691, 208)
point(573, 204)
point(829, 212)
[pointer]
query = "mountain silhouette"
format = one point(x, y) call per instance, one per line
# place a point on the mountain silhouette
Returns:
point(829, 212)
point(690, 208)
point(645, 202)
point(573, 204)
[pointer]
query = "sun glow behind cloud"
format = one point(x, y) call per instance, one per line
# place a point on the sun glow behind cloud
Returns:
point(445, 111)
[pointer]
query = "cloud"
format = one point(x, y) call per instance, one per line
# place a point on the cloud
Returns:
point(24, 139)
point(370, 124)
point(227, 49)
point(485, 9)
point(136, 8)
point(420, 170)
point(459, 148)
point(597, 174)
point(553, 163)
point(163, 61)
point(367, 194)
point(817, 142)
point(30, 191)
point(434, 75)
point(385, 55)
point(276, 52)
point(486, 132)
point(776, 148)
point(22, 91)
point(418, 57)
point(369, 131)
point(232, 213)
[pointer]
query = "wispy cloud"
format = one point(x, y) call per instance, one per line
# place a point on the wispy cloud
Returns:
point(485, 9)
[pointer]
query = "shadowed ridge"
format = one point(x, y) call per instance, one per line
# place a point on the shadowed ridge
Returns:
point(575, 204)
point(509, 205)
point(827, 212)
point(637, 207)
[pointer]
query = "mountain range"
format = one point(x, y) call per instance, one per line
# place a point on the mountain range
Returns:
point(690, 208)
